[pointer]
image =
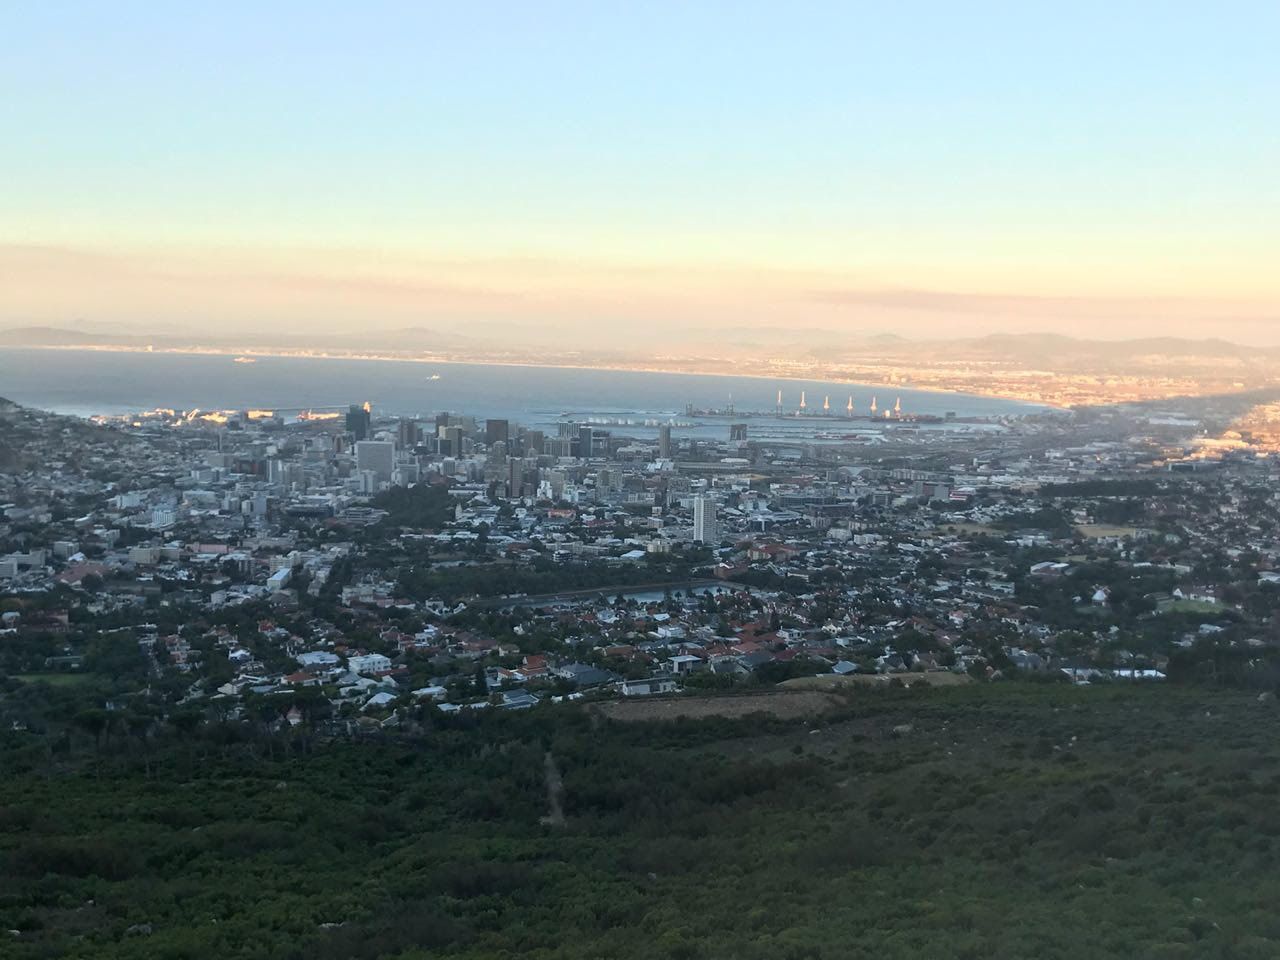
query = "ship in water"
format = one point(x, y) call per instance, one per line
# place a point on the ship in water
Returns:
point(245, 360)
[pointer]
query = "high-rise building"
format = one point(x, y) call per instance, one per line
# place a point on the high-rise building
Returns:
point(496, 431)
point(516, 474)
point(407, 433)
point(496, 456)
point(586, 437)
point(451, 442)
point(533, 443)
point(559, 446)
point(359, 421)
point(738, 433)
point(704, 520)
point(664, 441)
point(376, 456)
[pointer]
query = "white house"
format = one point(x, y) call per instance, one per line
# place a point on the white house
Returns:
point(644, 688)
point(317, 658)
point(368, 663)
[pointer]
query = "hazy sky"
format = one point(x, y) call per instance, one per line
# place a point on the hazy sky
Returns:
point(1093, 168)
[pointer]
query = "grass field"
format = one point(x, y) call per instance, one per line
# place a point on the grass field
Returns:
point(54, 679)
point(1191, 606)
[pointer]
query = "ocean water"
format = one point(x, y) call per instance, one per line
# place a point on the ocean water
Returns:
point(85, 383)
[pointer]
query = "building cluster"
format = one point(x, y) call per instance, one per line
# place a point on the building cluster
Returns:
point(381, 563)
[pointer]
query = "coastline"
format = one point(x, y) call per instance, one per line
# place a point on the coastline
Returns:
point(270, 353)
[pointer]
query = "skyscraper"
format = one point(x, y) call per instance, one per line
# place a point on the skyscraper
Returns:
point(359, 421)
point(496, 431)
point(407, 433)
point(704, 520)
point(376, 456)
point(452, 443)
point(664, 441)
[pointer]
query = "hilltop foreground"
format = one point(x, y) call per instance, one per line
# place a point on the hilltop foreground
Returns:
point(1022, 820)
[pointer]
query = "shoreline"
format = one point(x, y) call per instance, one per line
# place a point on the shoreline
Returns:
point(270, 353)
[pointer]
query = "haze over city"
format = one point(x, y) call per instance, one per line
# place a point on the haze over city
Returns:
point(611, 175)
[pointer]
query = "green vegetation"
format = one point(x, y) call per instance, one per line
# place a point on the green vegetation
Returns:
point(1023, 820)
point(1045, 518)
point(57, 679)
point(1134, 487)
point(422, 507)
point(1192, 606)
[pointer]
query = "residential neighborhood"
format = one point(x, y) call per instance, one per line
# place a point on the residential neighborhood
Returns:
point(376, 567)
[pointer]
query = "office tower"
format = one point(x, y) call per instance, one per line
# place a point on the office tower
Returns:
point(664, 441)
point(586, 441)
point(514, 471)
point(442, 421)
point(496, 431)
point(359, 421)
point(376, 456)
point(738, 433)
point(533, 443)
point(452, 441)
point(704, 520)
point(407, 433)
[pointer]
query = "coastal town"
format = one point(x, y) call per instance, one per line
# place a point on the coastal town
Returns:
point(356, 572)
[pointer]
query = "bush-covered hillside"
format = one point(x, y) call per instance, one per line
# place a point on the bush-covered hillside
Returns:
point(1016, 821)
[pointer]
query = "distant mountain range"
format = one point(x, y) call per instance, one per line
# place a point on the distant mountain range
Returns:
point(408, 338)
point(1046, 351)
point(1034, 346)
point(1031, 350)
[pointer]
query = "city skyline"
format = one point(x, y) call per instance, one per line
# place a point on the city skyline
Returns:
point(581, 171)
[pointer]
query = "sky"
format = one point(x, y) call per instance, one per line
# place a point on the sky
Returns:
point(622, 171)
